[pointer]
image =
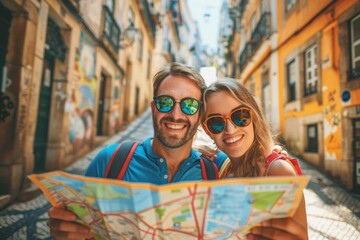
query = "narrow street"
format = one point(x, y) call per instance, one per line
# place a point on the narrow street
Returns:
point(333, 213)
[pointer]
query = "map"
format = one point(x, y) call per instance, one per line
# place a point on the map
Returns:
point(221, 209)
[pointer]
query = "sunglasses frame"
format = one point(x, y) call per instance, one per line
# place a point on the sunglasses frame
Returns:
point(177, 101)
point(225, 118)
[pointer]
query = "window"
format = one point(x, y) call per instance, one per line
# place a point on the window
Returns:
point(111, 28)
point(291, 81)
point(140, 46)
point(312, 138)
point(355, 47)
point(289, 5)
point(311, 70)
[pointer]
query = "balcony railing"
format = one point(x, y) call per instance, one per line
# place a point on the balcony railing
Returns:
point(261, 30)
point(245, 55)
point(149, 17)
point(111, 29)
point(241, 6)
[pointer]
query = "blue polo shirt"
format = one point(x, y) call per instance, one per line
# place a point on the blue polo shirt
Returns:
point(146, 166)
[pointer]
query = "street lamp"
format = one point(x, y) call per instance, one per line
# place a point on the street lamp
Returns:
point(128, 37)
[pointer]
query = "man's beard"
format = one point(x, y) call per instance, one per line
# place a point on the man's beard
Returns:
point(173, 142)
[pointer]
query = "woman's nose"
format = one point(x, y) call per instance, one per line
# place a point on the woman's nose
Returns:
point(229, 127)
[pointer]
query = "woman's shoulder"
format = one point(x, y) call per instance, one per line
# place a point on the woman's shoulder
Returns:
point(281, 165)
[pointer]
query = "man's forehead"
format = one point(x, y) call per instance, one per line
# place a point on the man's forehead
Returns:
point(179, 84)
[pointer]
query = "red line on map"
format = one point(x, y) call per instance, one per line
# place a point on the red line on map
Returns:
point(194, 211)
point(205, 211)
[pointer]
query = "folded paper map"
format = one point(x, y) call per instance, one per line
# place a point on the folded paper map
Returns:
point(222, 209)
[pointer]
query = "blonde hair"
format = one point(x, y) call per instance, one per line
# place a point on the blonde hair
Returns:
point(253, 161)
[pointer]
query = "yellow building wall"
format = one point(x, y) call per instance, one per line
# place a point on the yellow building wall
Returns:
point(294, 32)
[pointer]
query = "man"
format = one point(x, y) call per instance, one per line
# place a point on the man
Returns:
point(166, 158)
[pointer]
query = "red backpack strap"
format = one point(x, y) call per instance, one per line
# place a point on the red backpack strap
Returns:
point(293, 161)
point(209, 170)
point(120, 160)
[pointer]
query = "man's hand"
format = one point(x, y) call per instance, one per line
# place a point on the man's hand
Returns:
point(63, 226)
point(281, 228)
point(278, 149)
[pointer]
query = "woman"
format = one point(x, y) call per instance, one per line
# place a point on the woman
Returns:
point(235, 122)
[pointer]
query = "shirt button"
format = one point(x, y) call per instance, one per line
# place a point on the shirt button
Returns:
point(165, 176)
point(161, 160)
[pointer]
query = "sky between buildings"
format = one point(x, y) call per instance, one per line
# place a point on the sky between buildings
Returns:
point(207, 14)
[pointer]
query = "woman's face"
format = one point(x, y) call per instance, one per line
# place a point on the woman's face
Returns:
point(233, 140)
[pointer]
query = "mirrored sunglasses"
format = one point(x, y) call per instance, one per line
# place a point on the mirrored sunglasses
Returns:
point(165, 104)
point(240, 117)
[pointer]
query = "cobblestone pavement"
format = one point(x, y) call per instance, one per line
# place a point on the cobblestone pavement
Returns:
point(332, 212)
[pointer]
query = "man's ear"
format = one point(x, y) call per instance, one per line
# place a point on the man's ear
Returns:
point(152, 105)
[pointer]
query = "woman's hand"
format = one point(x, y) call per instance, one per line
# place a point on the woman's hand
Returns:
point(63, 226)
point(208, 152)
point(280, 228)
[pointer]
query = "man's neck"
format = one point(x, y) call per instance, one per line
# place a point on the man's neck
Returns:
point(173, 156)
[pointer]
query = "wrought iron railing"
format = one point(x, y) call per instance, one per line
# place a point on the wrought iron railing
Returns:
point(245, 55)
point(261, 30)
point(241, 6)
point(111, 29)
point(149, 17)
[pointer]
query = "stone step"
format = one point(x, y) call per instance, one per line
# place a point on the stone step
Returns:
point(4, 200)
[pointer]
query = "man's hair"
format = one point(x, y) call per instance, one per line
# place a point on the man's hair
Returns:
point(254, 158)
point(178, 69)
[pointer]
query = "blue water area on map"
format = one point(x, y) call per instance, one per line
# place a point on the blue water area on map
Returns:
point(140, 200)
point(228, 208)
point(180, 218)
point(126, 200)
point(76, 184)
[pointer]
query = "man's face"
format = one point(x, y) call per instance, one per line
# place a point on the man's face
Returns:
point(174, 128)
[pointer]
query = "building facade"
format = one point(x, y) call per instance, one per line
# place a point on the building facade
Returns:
point(301, 59)
point(69, 80)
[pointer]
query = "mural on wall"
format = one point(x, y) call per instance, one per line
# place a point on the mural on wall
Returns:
point(80, 108)
point(332, 124)
point(115, 113)
point(6, 107)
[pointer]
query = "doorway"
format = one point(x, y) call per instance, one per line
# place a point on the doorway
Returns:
point(101, 106)
point(5, 21)
point(356, 153)
point(43, 117)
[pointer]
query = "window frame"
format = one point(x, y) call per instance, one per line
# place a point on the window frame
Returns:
point(291, 90)
point(311, 73)
point(354, 71)
point(140, 45)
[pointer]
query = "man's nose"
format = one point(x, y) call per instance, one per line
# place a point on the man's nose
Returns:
point(177, 109)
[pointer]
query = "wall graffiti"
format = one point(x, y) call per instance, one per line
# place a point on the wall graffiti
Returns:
point(332, 128)
point(6, 107)
point(80, 107)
